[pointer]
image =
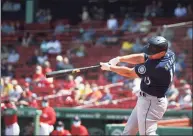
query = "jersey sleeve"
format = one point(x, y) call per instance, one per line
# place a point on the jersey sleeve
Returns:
point(141, 70)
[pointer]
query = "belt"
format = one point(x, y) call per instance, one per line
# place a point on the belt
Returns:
point(145, 95)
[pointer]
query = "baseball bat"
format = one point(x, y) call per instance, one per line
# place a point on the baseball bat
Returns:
point(70, 71)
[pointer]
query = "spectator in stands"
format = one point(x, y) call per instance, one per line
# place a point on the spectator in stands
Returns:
point(185, 97)
point(97, 13)
point(112, 23)
point(27, 39)
point(13, 56)
point(10, 71)
point(71, 83)
point(59, 62)
point(40, 16)
point(26, 89)
point(189, 34)
point(107, 96)
point(60, 131)
point(43, 16)
point(85, 14)
point(46, 67)
point(160, 9)
point(8, 28)
point(137, 46)
point(180, 11)
point(38, 76)
point(54, 46)
point(88, 34)
point(150, 10)
point(180, 62)
point(145, 26)
point(11, 121)
point(134, 27)
point(189, 10)
point(4, 52)
point(7, 6)
point(8, 87)
point(172, 95)
point(126, 47)
point(48, 16)
point(34, 58)
point(43, 46)
point(77, 128)
point(47, 118)
point(61, 28)
point(78, 51)
point(101, 40)
point(42, 58)
point(127, 22)
point(32, 101)
point(67, 64)
point(17, 91)
point(63, 63)
point(83, 91)
point(23, 100)
point(96, 94)
point(6, 69)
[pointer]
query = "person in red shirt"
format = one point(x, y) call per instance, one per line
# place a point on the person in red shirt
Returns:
point(47, 118)
point(38, 76)
point(11, 125)
point(60, 131)
point(27, 90)
point(46, 67)
point(32, 101)
point(77, 129)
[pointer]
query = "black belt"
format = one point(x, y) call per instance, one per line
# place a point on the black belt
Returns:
point(144, 95)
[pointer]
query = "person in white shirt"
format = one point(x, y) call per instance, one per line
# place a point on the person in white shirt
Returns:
point(54, 46)
point(180, 11)
point(112, 23)
point(85, 14)
point(13, 57)
point(145, 25)
point(17, 90)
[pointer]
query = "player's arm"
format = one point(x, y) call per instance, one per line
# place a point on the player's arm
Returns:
point(121, 70)
point(138, 71)
point(132, 59)
point(124, 71)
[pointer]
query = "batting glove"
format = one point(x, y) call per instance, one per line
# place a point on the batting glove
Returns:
point(114, 61)
point(105, 66)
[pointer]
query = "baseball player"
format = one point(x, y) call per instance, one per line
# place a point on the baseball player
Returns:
point(11, 125)
point(156, 68)
point(47, 118)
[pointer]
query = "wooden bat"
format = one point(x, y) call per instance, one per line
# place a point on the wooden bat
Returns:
point(70, 71)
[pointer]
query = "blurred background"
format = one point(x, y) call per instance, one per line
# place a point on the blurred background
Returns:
point(39, 36)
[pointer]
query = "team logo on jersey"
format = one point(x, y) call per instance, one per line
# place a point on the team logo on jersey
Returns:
point(142, 69)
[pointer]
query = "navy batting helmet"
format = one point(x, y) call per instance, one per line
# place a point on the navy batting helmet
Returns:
point(156, 45)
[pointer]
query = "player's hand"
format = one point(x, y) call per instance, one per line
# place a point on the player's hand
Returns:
point(105, 66)
point(114, 61)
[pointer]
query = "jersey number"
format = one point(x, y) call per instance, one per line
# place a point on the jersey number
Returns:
point(172, 70)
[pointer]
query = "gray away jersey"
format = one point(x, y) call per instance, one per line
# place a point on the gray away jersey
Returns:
point(157, 75)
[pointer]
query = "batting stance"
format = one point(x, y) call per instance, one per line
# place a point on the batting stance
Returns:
point(156, 69)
